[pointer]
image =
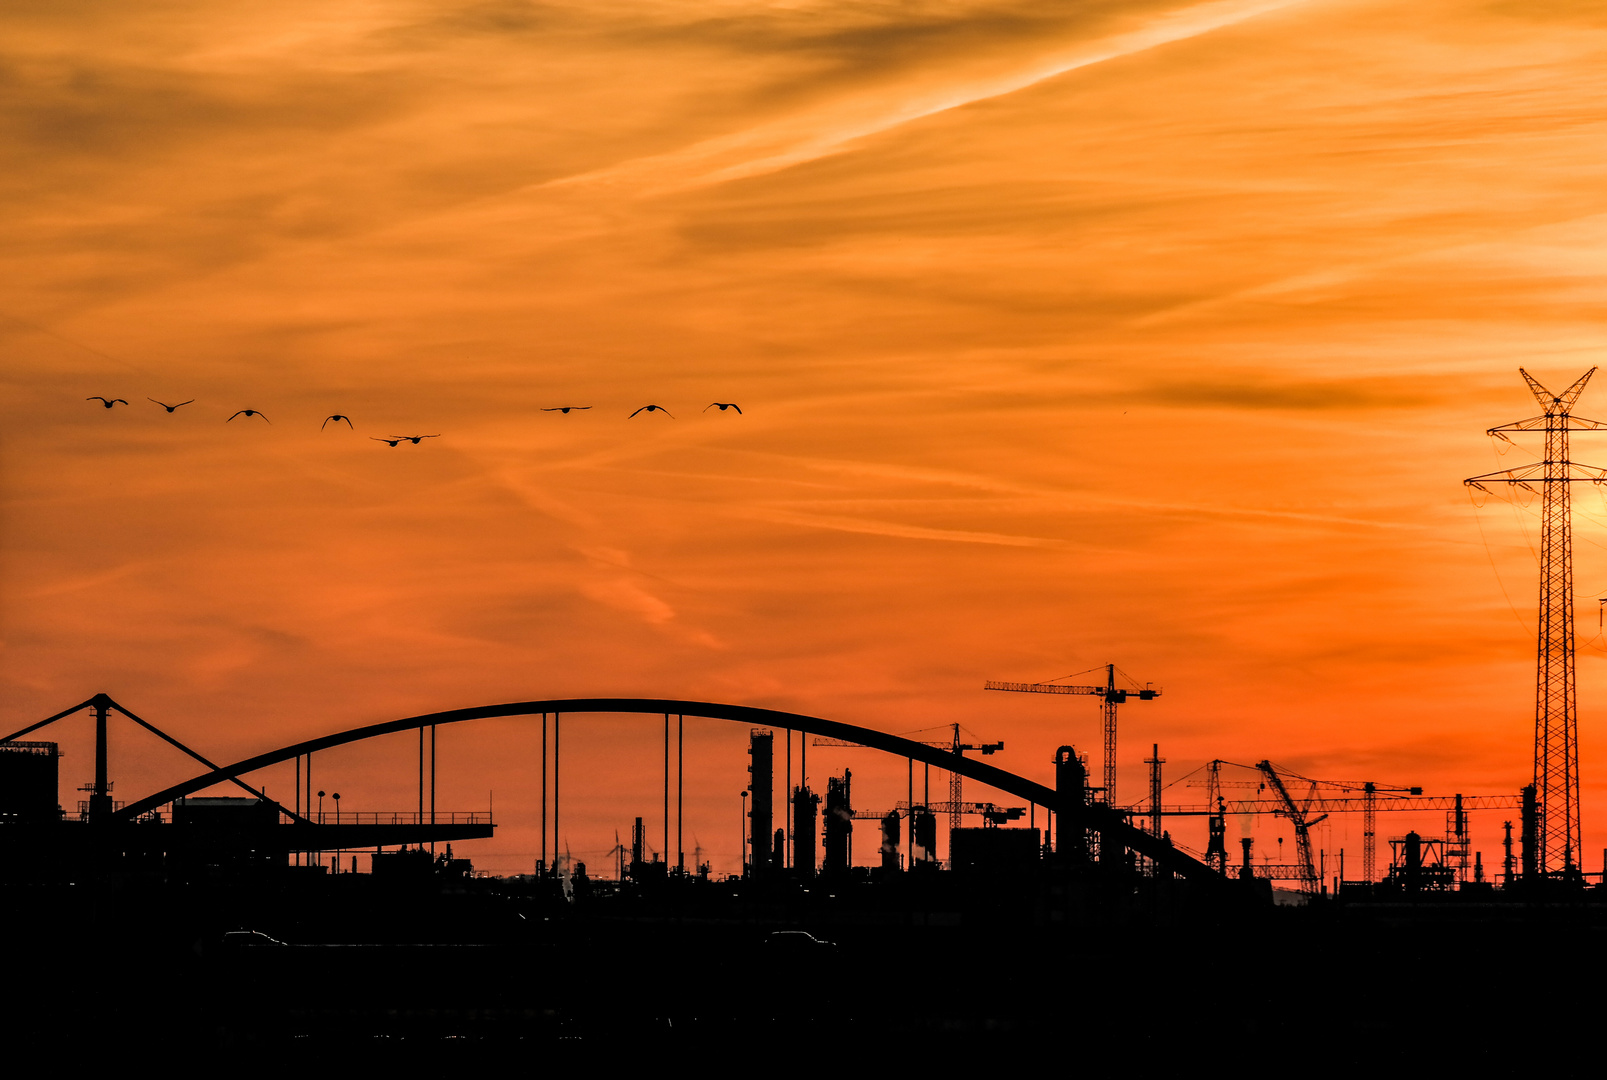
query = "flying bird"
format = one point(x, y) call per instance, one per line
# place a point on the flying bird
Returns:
point(250, 412)
point(388, 442)
point(653, 408)
point(566, 409)
point(169, 408)
point(414, 439)
point(335, 416)
point(722, 406)
point(108, 402)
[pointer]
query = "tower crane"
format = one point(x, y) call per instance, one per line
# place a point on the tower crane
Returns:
point(1403, 798)
point(992, 814)
point(1283, 805)
point(954, 746)
point(1369, 821)
point(1111, 696)
point(1327, 797)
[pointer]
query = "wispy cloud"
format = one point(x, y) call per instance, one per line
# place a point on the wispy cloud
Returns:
point(895, 529)
point(1286, 394)
point(816, 133)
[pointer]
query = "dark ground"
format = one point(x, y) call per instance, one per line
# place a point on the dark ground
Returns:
point(483, 973)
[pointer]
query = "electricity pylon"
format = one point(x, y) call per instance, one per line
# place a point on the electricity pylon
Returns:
point(1556, 734)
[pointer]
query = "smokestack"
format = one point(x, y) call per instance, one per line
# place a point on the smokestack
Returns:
point(761, 772)
point(890, 837)
point(1531, 836)
point(805, 805)
point(1071, 825)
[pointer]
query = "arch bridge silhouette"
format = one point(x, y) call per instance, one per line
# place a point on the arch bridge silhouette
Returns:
point(1072, 810)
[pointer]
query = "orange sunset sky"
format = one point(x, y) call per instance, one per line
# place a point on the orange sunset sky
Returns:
point(1152, 332)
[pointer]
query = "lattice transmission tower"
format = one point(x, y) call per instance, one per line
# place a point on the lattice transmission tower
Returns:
point(1556, 732)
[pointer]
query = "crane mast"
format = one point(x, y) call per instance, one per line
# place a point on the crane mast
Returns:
point(956, 747)
point(1110, 696)
point(1317, 800)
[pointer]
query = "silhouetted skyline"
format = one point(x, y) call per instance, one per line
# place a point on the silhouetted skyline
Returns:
point(1156, 334)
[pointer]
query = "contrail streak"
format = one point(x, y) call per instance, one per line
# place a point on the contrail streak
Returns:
point(792, 141)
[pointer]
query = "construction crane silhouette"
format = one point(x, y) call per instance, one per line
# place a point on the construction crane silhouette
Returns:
point(992, 814)
point(1310, 883)
point(1111, 696)
point(952, 744)
point(1369, 821)
point(1323, 797)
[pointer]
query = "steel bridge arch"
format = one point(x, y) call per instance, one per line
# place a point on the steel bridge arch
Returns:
point(1111, 828)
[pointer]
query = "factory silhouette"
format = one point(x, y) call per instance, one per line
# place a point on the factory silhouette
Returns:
point(1054, 917)
point(1064, 906)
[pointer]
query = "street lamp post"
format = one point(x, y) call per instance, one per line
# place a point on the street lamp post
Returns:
point(319, 855)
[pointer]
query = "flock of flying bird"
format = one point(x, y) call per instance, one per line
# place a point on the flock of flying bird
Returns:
point(395, 440)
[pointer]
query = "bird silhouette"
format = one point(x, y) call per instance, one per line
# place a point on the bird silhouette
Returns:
point(653, 408)
point(388, 442)
point(414, 439)
point(722, 406)
point(169, 408)
point(566, 409)
point(250, 412)
point(335, 416)
point(108, 402)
